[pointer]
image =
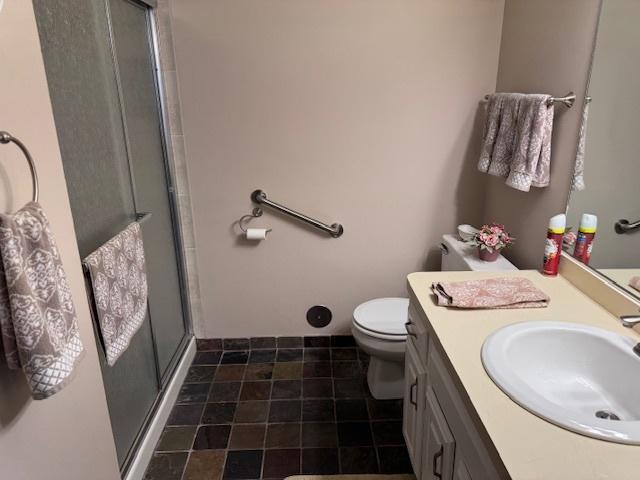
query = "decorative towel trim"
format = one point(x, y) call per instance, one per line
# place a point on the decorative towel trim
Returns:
point(119, 282)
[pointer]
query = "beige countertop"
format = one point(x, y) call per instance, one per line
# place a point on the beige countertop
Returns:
point(529, 447)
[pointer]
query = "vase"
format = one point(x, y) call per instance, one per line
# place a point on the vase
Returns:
point(488, 256)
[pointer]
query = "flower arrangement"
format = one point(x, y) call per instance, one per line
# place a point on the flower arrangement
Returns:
point(490, 240)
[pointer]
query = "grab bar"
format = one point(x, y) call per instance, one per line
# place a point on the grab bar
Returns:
point(624, 226)
point(335, 230)
point(568, 100)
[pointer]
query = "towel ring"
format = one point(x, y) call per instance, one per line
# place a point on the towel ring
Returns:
point(6, 137)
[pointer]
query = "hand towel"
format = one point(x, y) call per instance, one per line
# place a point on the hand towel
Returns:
point(38, 321)
point(503, 292)
point(635, 283)
point(119, 283)
point(577, 182)
point(516, 142)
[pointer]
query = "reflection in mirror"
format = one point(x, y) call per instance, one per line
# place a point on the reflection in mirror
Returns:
point(608, 145)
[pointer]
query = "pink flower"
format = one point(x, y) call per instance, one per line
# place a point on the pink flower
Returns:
point(491, 241)
point(495, 229)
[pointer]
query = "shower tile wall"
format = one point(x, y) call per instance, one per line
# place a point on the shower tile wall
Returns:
point(177, 156)
point(273, 407)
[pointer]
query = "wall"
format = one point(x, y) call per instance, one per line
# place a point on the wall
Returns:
point(546, 47)
point(362, 111)
point(68, 435)
point(612, 165)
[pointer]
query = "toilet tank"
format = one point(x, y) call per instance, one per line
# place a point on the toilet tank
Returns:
point(460, 256)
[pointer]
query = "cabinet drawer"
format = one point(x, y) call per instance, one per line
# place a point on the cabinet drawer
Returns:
point(417, 334)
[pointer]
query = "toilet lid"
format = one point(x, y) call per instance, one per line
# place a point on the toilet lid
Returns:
point(385, 316)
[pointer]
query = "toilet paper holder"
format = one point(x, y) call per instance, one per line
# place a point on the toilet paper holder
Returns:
point(255, 213)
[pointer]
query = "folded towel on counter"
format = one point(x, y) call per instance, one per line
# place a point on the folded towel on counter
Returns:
point(119, 283)
point(516, 143)
point(635, 283)
point(504, 292)
point(38, 321)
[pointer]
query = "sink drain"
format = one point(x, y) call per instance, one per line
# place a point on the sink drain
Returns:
point(607, 415)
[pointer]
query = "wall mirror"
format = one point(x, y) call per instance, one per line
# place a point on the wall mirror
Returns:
point(608, 144)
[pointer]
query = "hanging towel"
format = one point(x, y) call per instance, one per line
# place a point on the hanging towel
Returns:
point(119, 283)
point(577, 182)
point(37, 316)
point(516, 142)
point(504, 292)
point(635, 283)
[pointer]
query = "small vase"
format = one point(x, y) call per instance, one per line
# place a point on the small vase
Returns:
point(488, 256)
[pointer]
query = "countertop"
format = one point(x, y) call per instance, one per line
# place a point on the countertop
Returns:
point(530, 448)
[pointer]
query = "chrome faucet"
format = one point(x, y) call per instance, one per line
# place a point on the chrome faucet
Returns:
point(630, 321)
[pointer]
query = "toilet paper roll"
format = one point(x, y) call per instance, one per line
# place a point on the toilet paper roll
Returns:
point(256, 233)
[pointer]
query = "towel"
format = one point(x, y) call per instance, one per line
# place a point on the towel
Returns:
point(635, 283)
point(119, 283)
point(504, 292)
point(516, 143)
point(577, 182)
point(38, 323)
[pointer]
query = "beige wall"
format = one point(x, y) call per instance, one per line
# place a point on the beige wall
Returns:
point(360, 111)
point(546, 47)
point(68, 435)
point(612, 161)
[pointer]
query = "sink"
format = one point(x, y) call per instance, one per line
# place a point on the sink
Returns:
point(581, 378)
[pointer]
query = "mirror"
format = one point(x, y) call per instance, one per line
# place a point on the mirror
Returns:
point(609, 141)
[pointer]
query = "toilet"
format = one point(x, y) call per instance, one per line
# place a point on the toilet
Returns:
point(378, 325)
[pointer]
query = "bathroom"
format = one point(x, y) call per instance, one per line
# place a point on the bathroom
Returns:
point(274, 339)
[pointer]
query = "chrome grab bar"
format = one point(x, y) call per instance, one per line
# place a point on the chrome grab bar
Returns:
point(568, 100)
point(335, 230)
point(624, 226)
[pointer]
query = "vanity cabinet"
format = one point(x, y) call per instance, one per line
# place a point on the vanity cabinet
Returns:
point(443, 441)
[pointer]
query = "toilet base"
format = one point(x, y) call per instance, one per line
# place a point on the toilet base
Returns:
point(385, 379)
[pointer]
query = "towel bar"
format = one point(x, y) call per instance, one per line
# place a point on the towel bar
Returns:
point(568, 100)
point(6, 137)
point(335, 230)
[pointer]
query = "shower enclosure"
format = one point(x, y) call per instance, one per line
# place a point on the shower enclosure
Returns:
point(100, 59)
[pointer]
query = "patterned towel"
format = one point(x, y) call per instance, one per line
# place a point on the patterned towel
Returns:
point(37, 316)
point(504, 292)
point(119, 283)
point(517, 139)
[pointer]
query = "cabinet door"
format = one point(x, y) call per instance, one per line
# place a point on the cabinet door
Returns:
point(415, 383)
point(439, 447)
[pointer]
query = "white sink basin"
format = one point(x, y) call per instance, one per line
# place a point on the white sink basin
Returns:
point(569, 375)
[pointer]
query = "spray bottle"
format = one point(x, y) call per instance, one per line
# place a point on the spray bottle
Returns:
point(553, 244)
point(586, 234)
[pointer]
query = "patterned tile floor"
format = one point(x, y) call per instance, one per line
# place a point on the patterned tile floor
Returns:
point(273, 407)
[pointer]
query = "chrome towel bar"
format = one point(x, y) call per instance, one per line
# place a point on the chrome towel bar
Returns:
point(568, 100)
point(6, 137)
point(335, 230)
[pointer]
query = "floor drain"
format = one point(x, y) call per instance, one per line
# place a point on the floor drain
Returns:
point(607, 415)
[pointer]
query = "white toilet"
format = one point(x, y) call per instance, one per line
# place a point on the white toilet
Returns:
point(379, 325)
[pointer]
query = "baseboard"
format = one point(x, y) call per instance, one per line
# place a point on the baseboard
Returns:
point(145, 452)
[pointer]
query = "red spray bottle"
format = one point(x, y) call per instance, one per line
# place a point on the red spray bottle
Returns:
point(553, 244)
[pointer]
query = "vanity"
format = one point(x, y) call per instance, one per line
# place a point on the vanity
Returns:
point(458, 424)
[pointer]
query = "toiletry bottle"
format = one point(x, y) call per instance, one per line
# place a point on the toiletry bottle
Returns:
point(553, 244)
point(586, 233)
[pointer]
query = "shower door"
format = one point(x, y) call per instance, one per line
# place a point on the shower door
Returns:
point(100, 63)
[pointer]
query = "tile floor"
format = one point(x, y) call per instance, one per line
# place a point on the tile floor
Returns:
point(273, 407)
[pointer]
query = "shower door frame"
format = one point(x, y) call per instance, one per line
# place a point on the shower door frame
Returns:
point(169, 168)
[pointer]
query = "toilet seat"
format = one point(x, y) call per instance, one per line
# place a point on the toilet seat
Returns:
point(383, 318)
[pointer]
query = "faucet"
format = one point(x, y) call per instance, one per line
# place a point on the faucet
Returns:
point(630, 321)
